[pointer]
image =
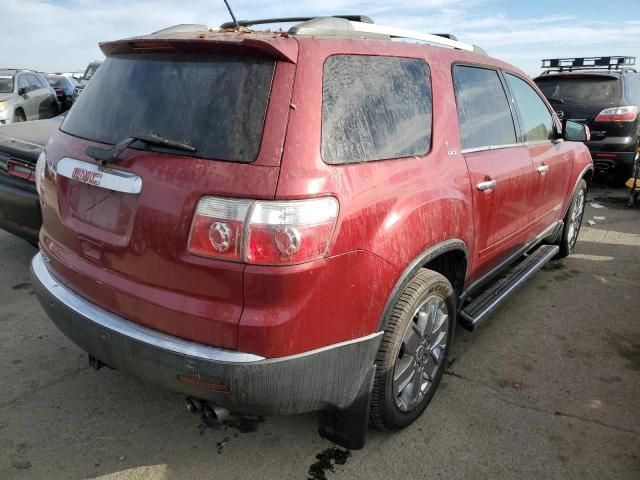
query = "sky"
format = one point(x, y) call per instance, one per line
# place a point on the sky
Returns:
point(63, 35)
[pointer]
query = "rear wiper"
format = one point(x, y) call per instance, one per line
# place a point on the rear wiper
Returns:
point(556, 100)
point(107, 155)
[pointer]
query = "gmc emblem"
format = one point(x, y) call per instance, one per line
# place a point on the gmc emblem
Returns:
point(86, 176)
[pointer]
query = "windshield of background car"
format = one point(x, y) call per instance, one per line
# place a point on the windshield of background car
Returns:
point(215, 103)
point(590, 89)
point(6, 83)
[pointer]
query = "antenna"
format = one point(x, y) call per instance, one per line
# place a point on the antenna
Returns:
point(232, 15)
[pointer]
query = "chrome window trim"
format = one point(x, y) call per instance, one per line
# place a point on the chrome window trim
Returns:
point(491, 147)
point(510, 145)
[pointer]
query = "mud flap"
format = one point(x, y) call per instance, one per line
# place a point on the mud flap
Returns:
point(348, 427)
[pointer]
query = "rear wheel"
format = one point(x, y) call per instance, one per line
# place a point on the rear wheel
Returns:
point(413, 351)
point(573, 220)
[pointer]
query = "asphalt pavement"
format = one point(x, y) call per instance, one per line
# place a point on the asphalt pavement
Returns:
point(548, 388)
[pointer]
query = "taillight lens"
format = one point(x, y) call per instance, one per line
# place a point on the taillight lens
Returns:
point(263, 232)
point(290, 232)
point(44, 171)
point(619, 114)
point(218, 227)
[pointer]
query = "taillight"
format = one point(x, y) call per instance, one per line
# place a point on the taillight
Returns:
point(40, 164)
point(218, 227)
point(44, 171)
point(20, 170)
point(619, 114)
point(263, 232)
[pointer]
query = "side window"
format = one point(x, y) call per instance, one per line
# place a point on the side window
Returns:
point(34, 84)
point(23, 83)
point(42, 82)
point(537, 121)
point(633, 88)
point(375, 108)
point(483, 108)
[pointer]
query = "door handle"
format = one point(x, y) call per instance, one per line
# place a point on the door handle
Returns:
point(542, 169)
point(488, 185)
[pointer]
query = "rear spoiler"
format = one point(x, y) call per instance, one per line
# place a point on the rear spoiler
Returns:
point(277, 45)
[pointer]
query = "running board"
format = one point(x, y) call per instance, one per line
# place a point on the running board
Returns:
point(480, 308)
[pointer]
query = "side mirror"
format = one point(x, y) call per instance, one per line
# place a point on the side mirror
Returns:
point(22, 91)
point(575, 132)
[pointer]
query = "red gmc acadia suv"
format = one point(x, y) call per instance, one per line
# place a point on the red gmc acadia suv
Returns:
point(288, 222)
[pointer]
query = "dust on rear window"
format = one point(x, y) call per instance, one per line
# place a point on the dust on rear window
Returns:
point(581, 90)
point(215, 103)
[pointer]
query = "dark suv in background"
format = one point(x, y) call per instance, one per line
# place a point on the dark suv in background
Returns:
point(604, 94)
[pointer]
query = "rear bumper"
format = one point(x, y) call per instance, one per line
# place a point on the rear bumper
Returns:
point(242, 382)
point(19, 209)
point(604, 161)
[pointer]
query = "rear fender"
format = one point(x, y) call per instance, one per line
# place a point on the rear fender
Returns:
point(419, 262)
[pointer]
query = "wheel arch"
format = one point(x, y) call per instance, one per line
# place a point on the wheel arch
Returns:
point(586, 175)
point(449, 258)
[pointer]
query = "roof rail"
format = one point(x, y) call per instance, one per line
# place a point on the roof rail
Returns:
point(337, 27)
point(587, 63)
point(264, 21)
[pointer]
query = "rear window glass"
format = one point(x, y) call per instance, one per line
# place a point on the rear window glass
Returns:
point(56, 82)
point(483, 109)
point(375, 108)
point(581, 90)
point(215, 103)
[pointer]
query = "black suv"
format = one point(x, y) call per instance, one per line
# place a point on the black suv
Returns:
point(603, 93)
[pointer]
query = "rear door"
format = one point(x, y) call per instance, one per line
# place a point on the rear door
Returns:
point(127, 251)
point(551, 157)
point(501, 171)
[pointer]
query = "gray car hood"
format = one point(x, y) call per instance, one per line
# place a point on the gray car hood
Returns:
point(25, 140)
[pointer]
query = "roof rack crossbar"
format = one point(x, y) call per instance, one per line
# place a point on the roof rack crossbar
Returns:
point(265, 21)
point(587, 63)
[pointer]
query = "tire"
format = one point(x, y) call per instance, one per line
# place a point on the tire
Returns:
point(393, 407)
point(19, 116)
point(573, 218)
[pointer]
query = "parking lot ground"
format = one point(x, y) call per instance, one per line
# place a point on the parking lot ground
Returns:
point(549, 387)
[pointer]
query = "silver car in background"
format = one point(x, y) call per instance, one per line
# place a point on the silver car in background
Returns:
point(25, 95)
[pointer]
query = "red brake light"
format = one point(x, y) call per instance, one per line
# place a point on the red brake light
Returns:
point(290, 232)
point(263, 232)
point(619, 114)
point(217, 228)
point(21, 170)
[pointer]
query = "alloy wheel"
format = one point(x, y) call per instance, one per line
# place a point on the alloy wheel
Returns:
point(421, 353)
point(576, 219)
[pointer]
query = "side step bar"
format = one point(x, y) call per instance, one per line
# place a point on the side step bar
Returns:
point(480, 308)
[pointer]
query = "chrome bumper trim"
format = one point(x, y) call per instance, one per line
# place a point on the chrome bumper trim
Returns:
point(145, 335)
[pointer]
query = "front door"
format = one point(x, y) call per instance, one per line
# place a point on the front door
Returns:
point(551, 157)
point(500, 170)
